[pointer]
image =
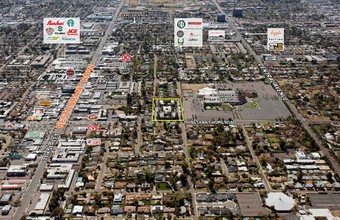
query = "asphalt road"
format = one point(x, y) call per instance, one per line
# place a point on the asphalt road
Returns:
point(186, 152)
point(139, 136)
point(102, 168)
point(264, 176)
point(31, 189)
point(96, 55)
point(155, 81)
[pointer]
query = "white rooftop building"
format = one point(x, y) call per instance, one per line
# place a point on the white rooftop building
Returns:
point(206, 91)
point(42, 202)
point(280, 201)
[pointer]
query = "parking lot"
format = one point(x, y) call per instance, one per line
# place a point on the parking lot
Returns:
point(271, 106)
point(325, 200)
point(251, 205)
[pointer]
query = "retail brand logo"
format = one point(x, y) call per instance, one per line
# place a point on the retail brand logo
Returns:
point(92, 117)
point(70, 22)
point(72, 32)
point(63, 30)
point(50, 22)
point(276, 33)
point(181, 24)
point(93, 128)
point(126, 57)
point(49, 31)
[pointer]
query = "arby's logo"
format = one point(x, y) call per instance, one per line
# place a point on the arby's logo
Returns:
point(50, 22)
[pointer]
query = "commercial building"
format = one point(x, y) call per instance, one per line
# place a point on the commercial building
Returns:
point(214, 97)
point(10, 187)
point(66, 156)
point(280, 201)
point(31, 157)
point(68, 181)
point(16, 170)
point(5, 199)
point(41, 205)
point(238, 13)
point(221, 18)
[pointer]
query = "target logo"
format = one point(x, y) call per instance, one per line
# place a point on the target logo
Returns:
point(126, 57)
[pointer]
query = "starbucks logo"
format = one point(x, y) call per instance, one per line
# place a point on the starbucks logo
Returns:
point(70, 22)
point(181, 24)
point(60, 28)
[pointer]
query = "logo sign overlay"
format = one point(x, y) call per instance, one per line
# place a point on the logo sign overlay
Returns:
point(45, 103)
point(61, 30)
point(188, 32)
point(275, 39)
point(70, 72)
point(93, 142)
point(93, 128)
point(38, 111)
point(9, 126)
point(92, 117)
point(126, 57)
point(216, 35)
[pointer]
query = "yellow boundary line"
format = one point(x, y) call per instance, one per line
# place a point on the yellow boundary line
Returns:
point(166, 99)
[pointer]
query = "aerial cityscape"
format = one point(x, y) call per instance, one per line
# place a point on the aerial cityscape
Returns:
point(170, 109)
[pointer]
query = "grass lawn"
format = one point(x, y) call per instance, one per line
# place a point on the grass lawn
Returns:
point(227, 107)
point(274, 140)
point(163, 186)
point(253, 105)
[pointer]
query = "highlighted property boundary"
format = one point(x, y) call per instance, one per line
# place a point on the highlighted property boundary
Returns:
point(167, 99)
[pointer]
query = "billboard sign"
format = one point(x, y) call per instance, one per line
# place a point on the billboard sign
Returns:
point(93, 141)
point(61, 30)
point(216, 35)
point(275, 39)
point(188, 32)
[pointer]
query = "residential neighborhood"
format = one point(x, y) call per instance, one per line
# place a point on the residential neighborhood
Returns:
point(159, 109)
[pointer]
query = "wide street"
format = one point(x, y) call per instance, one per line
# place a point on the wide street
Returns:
point(95, 58)
point(250, 147)
point(102, 168)
point(186, 152)
point(31, 189)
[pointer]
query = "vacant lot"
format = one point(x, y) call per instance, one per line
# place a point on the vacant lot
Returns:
point(193, 87)
point(251, 204)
